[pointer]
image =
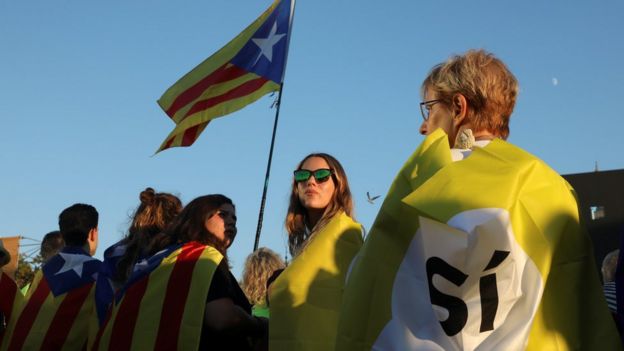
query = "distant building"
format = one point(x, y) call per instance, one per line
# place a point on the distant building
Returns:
point(601, 202)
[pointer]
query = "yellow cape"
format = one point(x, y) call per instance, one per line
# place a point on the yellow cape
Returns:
point(305, 300)
point(522, 276)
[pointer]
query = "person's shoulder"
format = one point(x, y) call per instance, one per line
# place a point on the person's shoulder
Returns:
point(350, 226)
point(520, 159)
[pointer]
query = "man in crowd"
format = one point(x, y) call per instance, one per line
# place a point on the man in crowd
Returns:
point(60, 301)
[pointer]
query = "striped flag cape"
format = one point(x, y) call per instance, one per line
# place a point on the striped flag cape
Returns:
point(11, 299)
point(162, 305)
point(305, 299)
point(104, 287)
point(485, 253)
point(244, 70)
point(59, 304)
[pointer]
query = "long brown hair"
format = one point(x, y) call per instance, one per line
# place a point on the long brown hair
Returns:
point(341, 201)
point(152, 216)
point(190, 224)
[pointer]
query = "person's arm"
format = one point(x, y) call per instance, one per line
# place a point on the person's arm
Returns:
point(223, 315)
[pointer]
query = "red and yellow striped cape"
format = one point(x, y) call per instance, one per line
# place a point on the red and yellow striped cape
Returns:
point(11, 298)
point(163, 310)
point(47, 322)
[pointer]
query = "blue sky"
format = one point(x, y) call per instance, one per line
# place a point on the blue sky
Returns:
point(79, 83)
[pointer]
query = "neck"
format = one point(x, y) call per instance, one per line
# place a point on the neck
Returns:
point(313, 216)
point(87, 248)
point(483, 135)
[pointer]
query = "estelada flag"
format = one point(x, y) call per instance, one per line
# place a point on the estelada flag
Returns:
point(60, 302)
point(11, 300)
point(305, 299)
point(162, 305)
point(244, 70)
point(106, 284)
point(485, 253)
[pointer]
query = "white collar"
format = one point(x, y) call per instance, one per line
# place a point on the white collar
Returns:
point(460, 154)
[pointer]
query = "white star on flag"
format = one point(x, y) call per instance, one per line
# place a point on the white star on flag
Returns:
point(119, 251)
point(73, 262)
point(140, 265)
point(266, 44)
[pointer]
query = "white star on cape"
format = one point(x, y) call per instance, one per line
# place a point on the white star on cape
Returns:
point(266, 44)
point(141, 265)
point(73, 262)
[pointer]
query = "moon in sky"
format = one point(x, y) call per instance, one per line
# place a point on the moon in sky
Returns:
point(555, 81)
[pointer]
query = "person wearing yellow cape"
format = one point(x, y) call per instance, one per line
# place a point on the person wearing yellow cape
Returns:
point(305, 299)
point(478, 244)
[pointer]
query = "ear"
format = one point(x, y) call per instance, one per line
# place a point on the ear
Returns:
point(460, 109)
point(93, 240)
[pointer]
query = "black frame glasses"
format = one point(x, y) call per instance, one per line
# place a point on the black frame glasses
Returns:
point(321, 175)
point(425, 106)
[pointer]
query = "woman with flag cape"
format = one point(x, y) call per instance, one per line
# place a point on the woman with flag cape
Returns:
point(184, 297)
point(478, 244)
point(153, 215)
point(305, 299)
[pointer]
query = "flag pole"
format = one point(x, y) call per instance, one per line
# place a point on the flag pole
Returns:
point(268, 170)
point(279, 104)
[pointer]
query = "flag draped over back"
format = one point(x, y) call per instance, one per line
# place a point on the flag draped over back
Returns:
point(484, 253)
point(10, 299)
point(245, 69)
point(162, 306)
point(305, 299)
point(59, 304)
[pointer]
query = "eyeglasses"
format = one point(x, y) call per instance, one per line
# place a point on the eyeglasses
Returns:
point(425, 107)
point(321, 175)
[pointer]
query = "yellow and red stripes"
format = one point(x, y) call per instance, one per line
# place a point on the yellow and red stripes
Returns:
point(164, 310)
point(213, 89)
point(27, 318)
point(193, 118)
point(51, 323)
point(10, 299)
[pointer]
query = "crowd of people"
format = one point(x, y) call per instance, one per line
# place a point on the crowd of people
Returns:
point(477, 245)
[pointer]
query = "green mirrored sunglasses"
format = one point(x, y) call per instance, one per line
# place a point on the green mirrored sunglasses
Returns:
point(321, 175)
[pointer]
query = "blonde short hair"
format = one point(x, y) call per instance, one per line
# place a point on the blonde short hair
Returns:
point(487, 84)
point(259, 266)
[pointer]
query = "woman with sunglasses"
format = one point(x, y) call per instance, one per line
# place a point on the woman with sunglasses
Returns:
point(323, 240)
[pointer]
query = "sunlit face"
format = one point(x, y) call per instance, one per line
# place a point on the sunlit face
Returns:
point(440, 116)
point(315, 195)
point(222, 224)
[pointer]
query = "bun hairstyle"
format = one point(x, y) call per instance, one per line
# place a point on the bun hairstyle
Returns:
point(152, 216)
point(147, 196)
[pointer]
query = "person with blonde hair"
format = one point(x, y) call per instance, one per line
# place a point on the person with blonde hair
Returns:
point(471, 98)
point(260, 265)
point(478, 244)
point(323, 239)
